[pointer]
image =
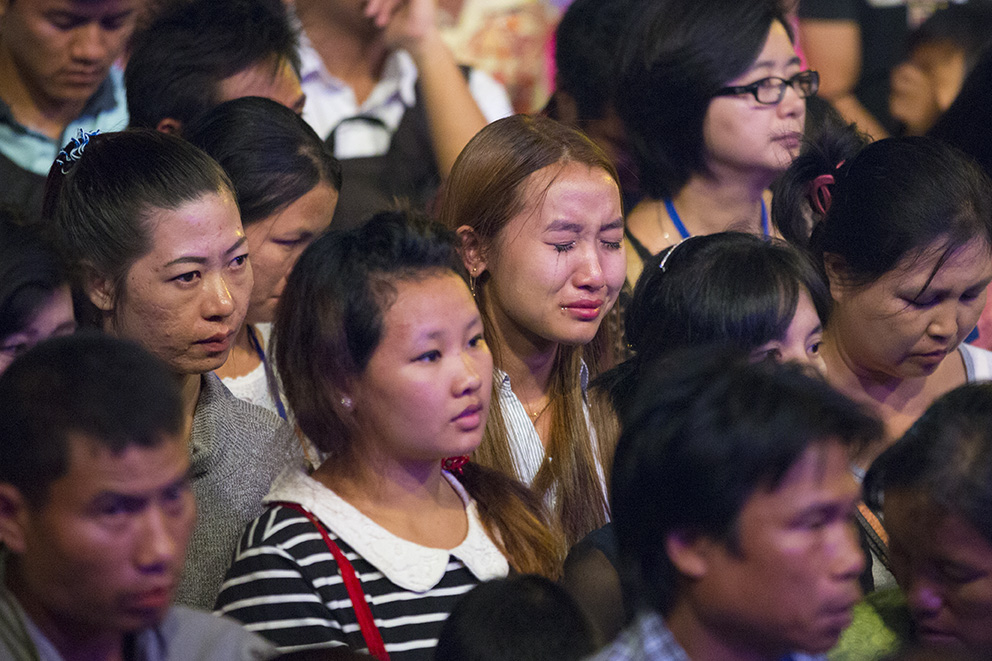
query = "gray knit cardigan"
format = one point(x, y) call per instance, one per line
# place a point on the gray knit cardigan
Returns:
point(236, 450)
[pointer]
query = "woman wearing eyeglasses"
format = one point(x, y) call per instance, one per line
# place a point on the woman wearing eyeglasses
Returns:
point(712, 96)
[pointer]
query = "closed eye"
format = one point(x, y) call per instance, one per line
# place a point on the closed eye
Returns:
point(564, 247)
point(187, 278)
point(428, 356)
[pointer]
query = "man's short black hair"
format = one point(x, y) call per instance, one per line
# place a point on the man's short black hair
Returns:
point(946, 455)
point(706, 430)
point(179, 60)
point(111, 391)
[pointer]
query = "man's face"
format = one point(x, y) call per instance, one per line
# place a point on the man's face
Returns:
point(944, 565)
point(103, 553)
point(790, 580)
point(63, 49)
point(272, 80)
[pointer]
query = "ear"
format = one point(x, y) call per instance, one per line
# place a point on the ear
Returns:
point(471, 251)
point(13, 517)
point(689, 553)
point(169, 125)
point(836, 268)
point(99, 289)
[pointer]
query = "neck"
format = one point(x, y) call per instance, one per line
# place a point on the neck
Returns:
point(708, 205)
point(862, 384)
point(243, 357)
point(75, 641)
point(189, 391)
point(353, 54)
point(886, 395)
point(376, 481)
point(701, 641)
point(525, 357)
point(29, 106)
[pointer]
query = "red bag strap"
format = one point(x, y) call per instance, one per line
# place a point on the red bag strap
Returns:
point(370, 632)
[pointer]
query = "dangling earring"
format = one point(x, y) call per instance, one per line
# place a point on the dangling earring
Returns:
point(471, 281)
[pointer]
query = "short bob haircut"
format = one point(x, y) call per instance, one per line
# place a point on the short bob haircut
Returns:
point(272, 156)
point(180, 59)
point(727, 288)
point(676, 56)
point(707, 429)
point(330, 316)
point(107, 390)
point(894, 199)
point(30, 272)
point(100, 205)
point(946, 455)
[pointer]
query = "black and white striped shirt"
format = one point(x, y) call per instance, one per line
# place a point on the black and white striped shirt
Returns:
point(284, 584)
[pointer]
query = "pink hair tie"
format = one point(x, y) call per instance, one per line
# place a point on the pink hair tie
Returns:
point(454, 464)
point(819, 193)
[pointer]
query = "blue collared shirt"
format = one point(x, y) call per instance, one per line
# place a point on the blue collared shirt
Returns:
point(35, 152)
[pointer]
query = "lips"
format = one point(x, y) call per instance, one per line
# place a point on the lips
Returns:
point(934, 636)
point(152, 600)
point(470, 418)
point(789, 139)
point(468, 412)
point(217, 342)
point(585, 309)
point(86, 77)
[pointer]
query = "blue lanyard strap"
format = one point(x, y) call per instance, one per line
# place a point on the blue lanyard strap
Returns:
point(270, 377)
point(684, 233)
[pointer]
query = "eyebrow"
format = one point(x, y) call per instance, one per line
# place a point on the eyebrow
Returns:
point(190, 259)
point(567, 226)
point(769, 64)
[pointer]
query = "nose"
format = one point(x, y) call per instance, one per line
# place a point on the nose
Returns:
point(944, 322)
point(792, 104)
point(157, 549)
point(218, 302)
point(470, 376)
point(89, 43)
point(923, 597)
point(849, 559)
point(589, 272)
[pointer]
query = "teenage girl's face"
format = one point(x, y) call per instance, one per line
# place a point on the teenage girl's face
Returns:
point(906, 322)
point(425, 393)
point(187, 297)
point(276, 242)
point(802, 339)
point(556, 268)
point(744, 136)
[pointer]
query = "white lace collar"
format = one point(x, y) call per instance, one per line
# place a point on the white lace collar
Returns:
point(411, 566)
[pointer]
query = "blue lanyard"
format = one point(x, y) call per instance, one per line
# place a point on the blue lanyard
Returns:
point(270, 377)
point(684, 233)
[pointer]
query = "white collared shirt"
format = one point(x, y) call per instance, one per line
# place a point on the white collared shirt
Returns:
point(330, 100)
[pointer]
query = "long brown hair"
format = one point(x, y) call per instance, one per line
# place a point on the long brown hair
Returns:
point(484, 192)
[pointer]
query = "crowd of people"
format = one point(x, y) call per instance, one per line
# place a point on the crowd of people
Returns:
point(311, 349)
